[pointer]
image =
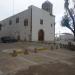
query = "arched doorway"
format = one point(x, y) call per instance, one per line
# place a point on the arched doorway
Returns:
point(41, 35)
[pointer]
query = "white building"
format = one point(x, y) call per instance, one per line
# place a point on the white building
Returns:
point(66, 37)
point(33, 24)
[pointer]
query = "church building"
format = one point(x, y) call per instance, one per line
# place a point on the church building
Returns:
point(33, 24)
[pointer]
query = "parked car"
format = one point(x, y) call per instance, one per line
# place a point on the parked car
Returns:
point(7, 39)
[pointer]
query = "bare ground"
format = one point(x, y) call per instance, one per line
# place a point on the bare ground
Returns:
point(47, 62)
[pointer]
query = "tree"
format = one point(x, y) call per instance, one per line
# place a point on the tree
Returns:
point(68, 20)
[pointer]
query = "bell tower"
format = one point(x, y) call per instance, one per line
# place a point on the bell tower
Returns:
point(47, 6)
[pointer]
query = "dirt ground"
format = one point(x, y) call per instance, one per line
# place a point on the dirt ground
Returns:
point(43, 62)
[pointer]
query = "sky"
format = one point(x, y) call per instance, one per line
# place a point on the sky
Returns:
point(11, 7)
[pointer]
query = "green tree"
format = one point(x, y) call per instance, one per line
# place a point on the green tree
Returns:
point(68, 20)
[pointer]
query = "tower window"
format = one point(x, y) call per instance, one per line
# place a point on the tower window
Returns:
point(41, 21)
point(17, 20)
point(10, 22)
point(26, 22)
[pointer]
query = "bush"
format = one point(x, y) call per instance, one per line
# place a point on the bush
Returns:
point(51, 47)
point(71, 46)
point(60, 45)
point(56, 46)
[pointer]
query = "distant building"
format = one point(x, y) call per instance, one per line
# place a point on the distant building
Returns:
point(66, 37)
point(33, 24)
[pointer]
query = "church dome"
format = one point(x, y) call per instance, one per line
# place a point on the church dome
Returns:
point(47, 6)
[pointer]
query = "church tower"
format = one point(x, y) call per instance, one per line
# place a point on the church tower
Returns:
point(47, 6)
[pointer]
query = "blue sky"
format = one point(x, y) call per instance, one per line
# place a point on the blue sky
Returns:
point(6, 10)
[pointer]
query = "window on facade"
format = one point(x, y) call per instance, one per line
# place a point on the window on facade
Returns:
point(41, 21)
point(10, 22)
point(26, 22)
point(17, 20)
point(51, 25)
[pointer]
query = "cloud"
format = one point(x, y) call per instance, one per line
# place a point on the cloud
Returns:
point(6, 6)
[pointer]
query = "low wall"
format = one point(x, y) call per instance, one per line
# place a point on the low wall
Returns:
point(70, 45)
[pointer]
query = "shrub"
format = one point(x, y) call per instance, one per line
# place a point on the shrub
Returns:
point(71, 46)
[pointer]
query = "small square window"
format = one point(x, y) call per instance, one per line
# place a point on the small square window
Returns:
point(17, 20)
point(10, 22)
point(41, 21)
point(26, 22)
point(51, 25)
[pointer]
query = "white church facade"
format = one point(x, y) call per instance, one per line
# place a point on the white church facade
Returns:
point(33, 24)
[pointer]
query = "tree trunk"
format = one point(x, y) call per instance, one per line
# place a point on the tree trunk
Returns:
point(74, 30)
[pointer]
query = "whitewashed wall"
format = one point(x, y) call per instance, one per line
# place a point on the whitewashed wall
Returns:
point(17, 28)
point(49, 31)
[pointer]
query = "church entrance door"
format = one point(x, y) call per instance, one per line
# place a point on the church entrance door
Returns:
point(41, 35)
